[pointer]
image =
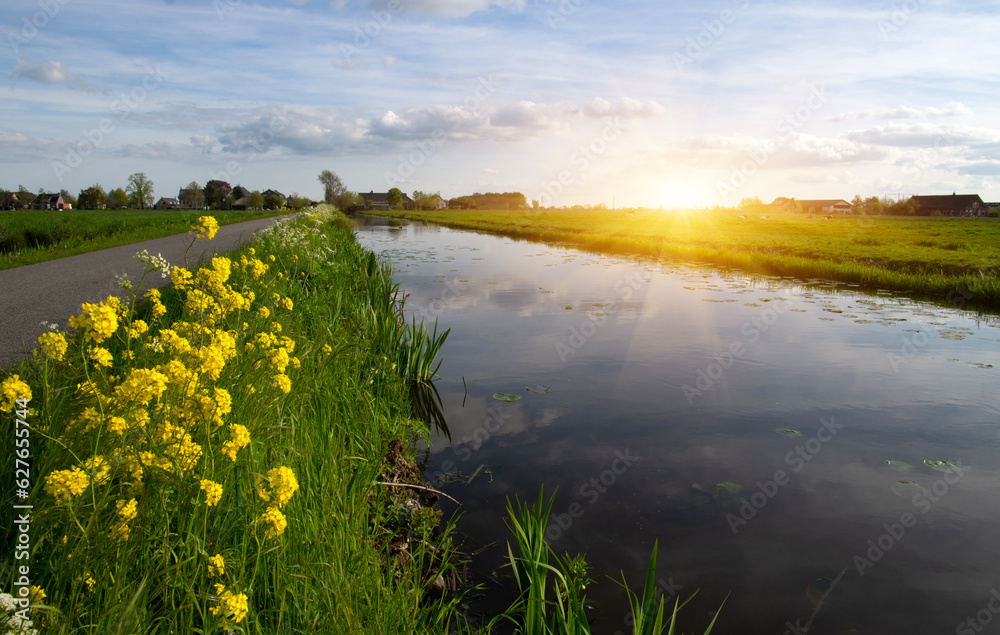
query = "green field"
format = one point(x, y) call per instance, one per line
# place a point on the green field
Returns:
point(950, 260)
point(27, 237)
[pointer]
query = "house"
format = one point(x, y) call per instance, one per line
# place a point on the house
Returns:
point(51, 201)
point(190, 197)
point(439, 202)
point(953, 205)
point(239, 192)
point(167, 203)
point(267, 193)
point(381, 201)
point(825, 206)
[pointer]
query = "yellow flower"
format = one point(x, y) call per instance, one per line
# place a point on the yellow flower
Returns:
point(206, 228)
point(98, 469)
point(326, 349)
point(282, 383)
point(120, 531)
point(180, 277)
point(233, 607)
point(126, 509)
point(239, 438)
point(140, 387)
point(53, 345)
point(101, 356)
point(251, 251)
point(277, 520)
point(11, 390)
point(98, 321)
point(283, 484)
point(65, 484)
point(90, 582)
point(264, 312)
point(216, 565)
point(287, 302)
point(36, 595)
point(213, 492)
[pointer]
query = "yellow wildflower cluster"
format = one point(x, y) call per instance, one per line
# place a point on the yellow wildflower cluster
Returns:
point(239, 438)
point(126, 511)
point(11, 390)
point(231, 606)
point(98, 321)
point(53, 345)
point(65, 484)
point(216, 565)
point(277, 488)
point(101, 356)
point(206, 227)
point(157, 310)
point(213, 492)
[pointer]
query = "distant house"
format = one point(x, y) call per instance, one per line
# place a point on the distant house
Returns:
point(239, 192)
point(825, 206)
point(375, 200)
point(439, 202)
point(167, 203)
point(51, 201)
point(953, 205)
point(267, 193)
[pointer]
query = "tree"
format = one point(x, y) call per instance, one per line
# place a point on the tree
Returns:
point(117, 199)
point(273, 201)
point(751, 202)
point(873, 206)
point(857, 204)
point(333, 187)
point(256, 200)
point(140, 191)
point(216, 193)
point(192, 195)
point(94, 197)
point(395, 198)
point(349, 201)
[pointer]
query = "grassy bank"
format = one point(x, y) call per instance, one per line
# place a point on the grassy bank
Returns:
point(951, 260)
point(214, 459)
point(27, 237)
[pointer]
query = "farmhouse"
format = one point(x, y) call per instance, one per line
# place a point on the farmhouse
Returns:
point(953, 205)
point(268, 193)
point(825, 206)
point(375, 200)
point(167, 203)
point(439, 202)
point(51, 201)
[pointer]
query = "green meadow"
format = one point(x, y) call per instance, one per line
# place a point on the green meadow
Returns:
point(27, 237)
point(949, 260)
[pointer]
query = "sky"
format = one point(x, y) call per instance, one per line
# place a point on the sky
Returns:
point(626, 103)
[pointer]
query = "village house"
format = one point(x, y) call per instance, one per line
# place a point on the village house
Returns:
point(375, 200)
point(51, 201)
point(825, 206)
point(969, 205)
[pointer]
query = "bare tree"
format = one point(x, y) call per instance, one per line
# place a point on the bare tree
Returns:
point(333, 187)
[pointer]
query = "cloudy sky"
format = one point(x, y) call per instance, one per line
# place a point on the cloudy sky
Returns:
point(639, 102)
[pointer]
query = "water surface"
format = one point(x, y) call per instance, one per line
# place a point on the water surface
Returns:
point(645, 385)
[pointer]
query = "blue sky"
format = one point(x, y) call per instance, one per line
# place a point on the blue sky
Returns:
point(572, 101)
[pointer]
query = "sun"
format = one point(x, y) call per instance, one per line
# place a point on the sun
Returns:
point(681, 192)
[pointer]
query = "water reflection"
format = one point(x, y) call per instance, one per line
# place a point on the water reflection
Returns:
point(693, 374)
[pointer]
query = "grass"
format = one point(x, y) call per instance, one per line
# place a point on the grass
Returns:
point(948, 260)
point(137, 499)
point(27, 237)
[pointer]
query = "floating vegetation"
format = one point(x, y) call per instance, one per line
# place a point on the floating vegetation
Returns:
point(539, 389)
point(788, 432)
point(503, 396)
point(906, 489)
point(899, 466)
point(942, 466)
point(725, 493)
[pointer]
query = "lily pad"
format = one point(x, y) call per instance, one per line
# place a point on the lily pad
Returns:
point(906, 489)
point(503, 396)
point(539, 389)
point(788, 432)
point(728, 494)
point(899, 466)
point(941, 466)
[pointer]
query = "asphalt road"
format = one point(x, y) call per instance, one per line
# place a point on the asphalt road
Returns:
point(53, 291)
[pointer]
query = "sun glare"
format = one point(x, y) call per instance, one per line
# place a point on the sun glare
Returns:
point(680, 193)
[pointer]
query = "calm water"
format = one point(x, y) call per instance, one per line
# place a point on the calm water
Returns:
point(744, 423)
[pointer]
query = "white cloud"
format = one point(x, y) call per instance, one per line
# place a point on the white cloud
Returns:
point(449, 8)
point(49, 72)
point(906, 112)
point(626, 107)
